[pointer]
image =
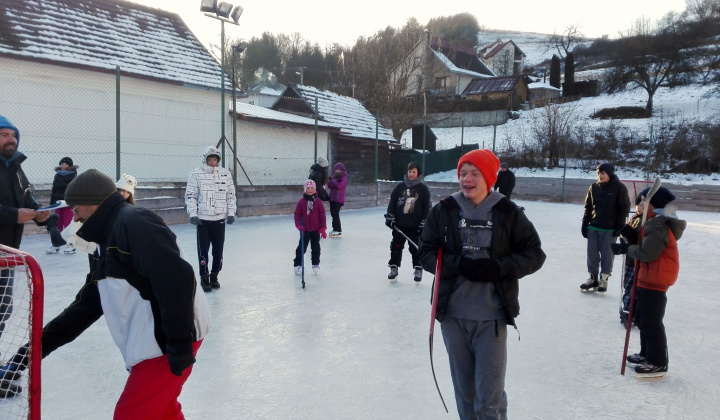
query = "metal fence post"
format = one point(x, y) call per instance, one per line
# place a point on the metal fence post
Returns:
point(377, 157)
point(117, 122)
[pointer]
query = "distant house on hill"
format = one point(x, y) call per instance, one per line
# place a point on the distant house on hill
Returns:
point(437, 66)
point(509, 92)
point(354, 142)
point(61, 63)
point(542, 93)
point(263, 93)
point(503, 58)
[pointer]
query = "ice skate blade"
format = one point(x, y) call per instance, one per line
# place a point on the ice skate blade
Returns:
point(592, 289)
point(651, 376)
point(393, 280)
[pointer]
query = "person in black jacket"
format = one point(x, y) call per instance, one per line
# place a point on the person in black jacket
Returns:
point(146, 291)
point(17, 206)
point(505, 180)
point(607, 205)
point(319, 174)
point(408, 207)
point(488, 244)
point(64, 173)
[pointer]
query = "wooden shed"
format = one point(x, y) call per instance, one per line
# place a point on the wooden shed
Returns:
point(513, 89)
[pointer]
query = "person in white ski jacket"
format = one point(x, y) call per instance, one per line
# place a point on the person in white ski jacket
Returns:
point(210, 202)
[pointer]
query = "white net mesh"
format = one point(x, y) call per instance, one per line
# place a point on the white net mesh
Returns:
point(16, 306)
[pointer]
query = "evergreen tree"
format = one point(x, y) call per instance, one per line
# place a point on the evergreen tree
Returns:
point(555, 71)
point(569, 85)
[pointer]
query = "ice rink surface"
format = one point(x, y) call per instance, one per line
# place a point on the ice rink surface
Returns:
point(351, 345)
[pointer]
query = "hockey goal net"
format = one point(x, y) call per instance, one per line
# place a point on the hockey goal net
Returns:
point(21, 310)
point(634, 188)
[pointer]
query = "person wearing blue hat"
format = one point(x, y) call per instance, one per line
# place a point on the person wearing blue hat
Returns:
point(17, 206)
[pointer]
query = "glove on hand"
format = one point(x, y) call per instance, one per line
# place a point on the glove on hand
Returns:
point(389, 220)
point(230, 220)
point(180, 362)
point(584, 230)
point(620, 248)
point(630, 233)
point(195, 221)
point(616, 233)
point(421, 226)
point(483, 269)
point(323, 233)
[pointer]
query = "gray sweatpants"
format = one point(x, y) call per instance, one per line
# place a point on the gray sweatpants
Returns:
point(599, 253)
point(477, 351)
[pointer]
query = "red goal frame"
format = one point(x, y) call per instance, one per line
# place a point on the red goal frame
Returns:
point(14, 258)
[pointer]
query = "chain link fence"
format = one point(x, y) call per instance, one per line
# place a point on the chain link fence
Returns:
point(154, 130)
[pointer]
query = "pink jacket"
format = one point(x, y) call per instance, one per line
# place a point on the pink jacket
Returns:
point(313, 222)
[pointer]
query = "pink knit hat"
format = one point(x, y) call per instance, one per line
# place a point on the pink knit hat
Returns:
point(309, 183)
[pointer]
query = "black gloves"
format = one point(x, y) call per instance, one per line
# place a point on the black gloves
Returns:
point(230, 220)
point(483, 269)
point(421, 226)
point(195, 221)
point(620, 248)
point(179, 362)
point(390, 220)
point(616, 232)
point(584, 230)
point(630, 233)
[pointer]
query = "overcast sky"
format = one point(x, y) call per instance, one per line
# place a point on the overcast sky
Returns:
point(328, 21)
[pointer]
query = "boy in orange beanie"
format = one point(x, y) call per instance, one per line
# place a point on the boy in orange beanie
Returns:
point(488, 244)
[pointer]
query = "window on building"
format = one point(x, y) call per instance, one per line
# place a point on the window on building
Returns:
point(441, 82)
point(416, 62)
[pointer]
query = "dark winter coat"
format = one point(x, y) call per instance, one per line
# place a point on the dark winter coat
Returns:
point(60, 183)
point(410, 203)
point(314, 221)
point(505, 182)
point(14, 193)
point(515, 246)
point(319, 175)
point(606, 205)
point(140, 282)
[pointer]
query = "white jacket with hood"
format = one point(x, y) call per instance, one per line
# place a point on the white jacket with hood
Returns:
point(210, 192)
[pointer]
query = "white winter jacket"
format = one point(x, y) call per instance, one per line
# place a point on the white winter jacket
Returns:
point(210, 192)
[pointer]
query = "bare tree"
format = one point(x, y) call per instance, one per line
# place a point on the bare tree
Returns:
point(550, 125)
point(646, 56)
point(503, 65)
point(567, 41)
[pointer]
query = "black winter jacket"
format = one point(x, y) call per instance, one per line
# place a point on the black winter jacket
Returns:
point(319, 175)
point(515, 246)
point(606, 205)
point(410, 206)
point(140, 260)
point(14, 193)
point(60, 183)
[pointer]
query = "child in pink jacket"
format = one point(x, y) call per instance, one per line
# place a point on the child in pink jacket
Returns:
point(310, 221)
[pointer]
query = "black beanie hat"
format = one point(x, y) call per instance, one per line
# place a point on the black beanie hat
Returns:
point(66, 160)
point(89, 188)
point(607, 168)
point(661, 198)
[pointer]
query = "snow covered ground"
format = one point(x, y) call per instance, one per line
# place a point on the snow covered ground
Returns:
point(353, 346)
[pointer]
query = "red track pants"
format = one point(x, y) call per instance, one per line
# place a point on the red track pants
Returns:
point(151, 391)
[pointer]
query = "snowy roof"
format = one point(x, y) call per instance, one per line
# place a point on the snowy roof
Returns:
point(492, 84)
point(102, 34)
point(542, 85)
point(341, 111)
point(460, 59)
point(497, 46)
point(262, 113)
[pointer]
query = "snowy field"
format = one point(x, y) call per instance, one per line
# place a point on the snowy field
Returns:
point(353, 346)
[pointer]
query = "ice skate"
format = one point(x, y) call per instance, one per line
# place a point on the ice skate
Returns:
point(214, 283)
point(393, 273)
point(205, 283)
point(635, 359)
point(69, 249)
point(591, 284)
point(602, 284)
point(417, 276)
point(649, 371)
point(335, 234)
point(53, 250)
point(298, 270)
point(316, 269)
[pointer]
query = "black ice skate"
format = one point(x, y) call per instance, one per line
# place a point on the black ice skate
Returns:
point(591, 284)
point(393, 273)
point(647, 370)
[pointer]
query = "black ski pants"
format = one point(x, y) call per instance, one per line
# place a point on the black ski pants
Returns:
point(210, 232)
point(398, 244)
point(651, 311)
point(314, 239)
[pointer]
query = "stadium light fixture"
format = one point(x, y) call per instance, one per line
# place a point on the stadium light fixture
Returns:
point(208, 6)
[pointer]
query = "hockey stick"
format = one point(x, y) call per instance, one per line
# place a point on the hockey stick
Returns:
point(433, 312)
point(631, 311)
point(406, 237)
point(302, 250)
